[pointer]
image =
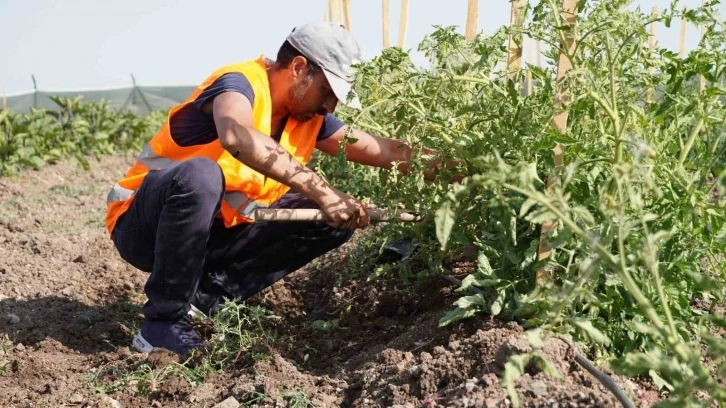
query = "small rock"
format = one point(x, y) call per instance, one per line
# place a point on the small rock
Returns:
point(76, 398)
point(415, 371)
point(108, 402)
point(539, 388)
point(470, 386)
point(128, 286)
point(80, 259)
point(124, 352)
point(19, 347)
point(13, 318)
point(230, 402)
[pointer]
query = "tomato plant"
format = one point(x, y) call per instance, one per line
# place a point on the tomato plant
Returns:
point(637, 271)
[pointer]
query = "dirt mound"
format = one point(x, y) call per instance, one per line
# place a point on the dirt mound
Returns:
point(69, 307)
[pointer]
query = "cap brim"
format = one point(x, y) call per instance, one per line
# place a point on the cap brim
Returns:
point(342, 89)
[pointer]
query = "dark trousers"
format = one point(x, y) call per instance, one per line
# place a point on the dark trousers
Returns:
point(170, 230)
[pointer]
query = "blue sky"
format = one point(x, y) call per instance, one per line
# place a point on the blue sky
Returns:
point(90, 44)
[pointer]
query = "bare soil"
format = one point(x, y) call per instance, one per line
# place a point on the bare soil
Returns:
point(69, 307)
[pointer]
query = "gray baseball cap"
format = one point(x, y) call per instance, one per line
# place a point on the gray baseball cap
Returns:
point(334, 49)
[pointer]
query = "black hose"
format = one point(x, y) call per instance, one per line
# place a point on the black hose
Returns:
point(604, 379)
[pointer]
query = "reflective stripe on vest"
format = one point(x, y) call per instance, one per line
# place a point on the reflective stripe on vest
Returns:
point(149, 159)
point(236, 199)
point(118, 193)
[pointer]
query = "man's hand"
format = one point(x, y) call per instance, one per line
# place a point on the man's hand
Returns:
point(344, 211)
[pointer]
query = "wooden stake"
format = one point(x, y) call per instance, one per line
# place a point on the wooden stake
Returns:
point(403, 23)
point(651, 47)
point(514, 58)
point(346, 13)
point(386, 24)
point(472, 15)
point(684, 24)
point(562, 95)
point(530, 63)
point(331, 10)
point(702, 79)
point(339, 11)
point(539, 53)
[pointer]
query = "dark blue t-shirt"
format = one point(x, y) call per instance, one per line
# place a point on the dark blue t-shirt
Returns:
point(190, 126)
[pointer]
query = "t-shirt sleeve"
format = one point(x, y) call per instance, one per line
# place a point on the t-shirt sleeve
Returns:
point(231, 82)
point(331, 124)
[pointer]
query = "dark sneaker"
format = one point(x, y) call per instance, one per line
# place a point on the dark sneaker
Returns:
point(177, 336)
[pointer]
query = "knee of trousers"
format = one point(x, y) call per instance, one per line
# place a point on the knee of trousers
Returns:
point(338, 237)
point(202, 178)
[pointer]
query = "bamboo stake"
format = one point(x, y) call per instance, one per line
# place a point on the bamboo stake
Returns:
point(702, 79)
point(346, 13)
point(514, 58)
point(539, 53)
point(530, 61)
point(331, 10)
point(472, 15)
point(684, 25)
point(651, 47)
point(386, 24)
point(562, 95)
point(403, 23)
point(339, 11)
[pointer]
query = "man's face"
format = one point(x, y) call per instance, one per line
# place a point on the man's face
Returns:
point(310, 95)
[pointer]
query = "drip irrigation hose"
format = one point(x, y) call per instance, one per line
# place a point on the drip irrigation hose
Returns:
point(604, 379)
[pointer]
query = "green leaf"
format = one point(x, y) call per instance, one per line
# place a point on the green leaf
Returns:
point(527, 206)
point(322, 325)
point(540, 216)
point(547, 367)
point(445, 218)
point(456, 315)
point(470, 301)
point(483, 264)
point(498, 303)
point(477, 279)
point(513, 369)
point(659, 381)
point(534, 337)
point(592, 332)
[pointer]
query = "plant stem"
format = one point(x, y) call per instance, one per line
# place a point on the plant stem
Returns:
point(613, 102)
point(691, 139)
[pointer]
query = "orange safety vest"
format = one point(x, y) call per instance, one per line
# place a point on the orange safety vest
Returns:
point(245, 188)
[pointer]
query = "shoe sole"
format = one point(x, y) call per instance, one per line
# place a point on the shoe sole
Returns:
point(141, 345)
point(196, 313)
